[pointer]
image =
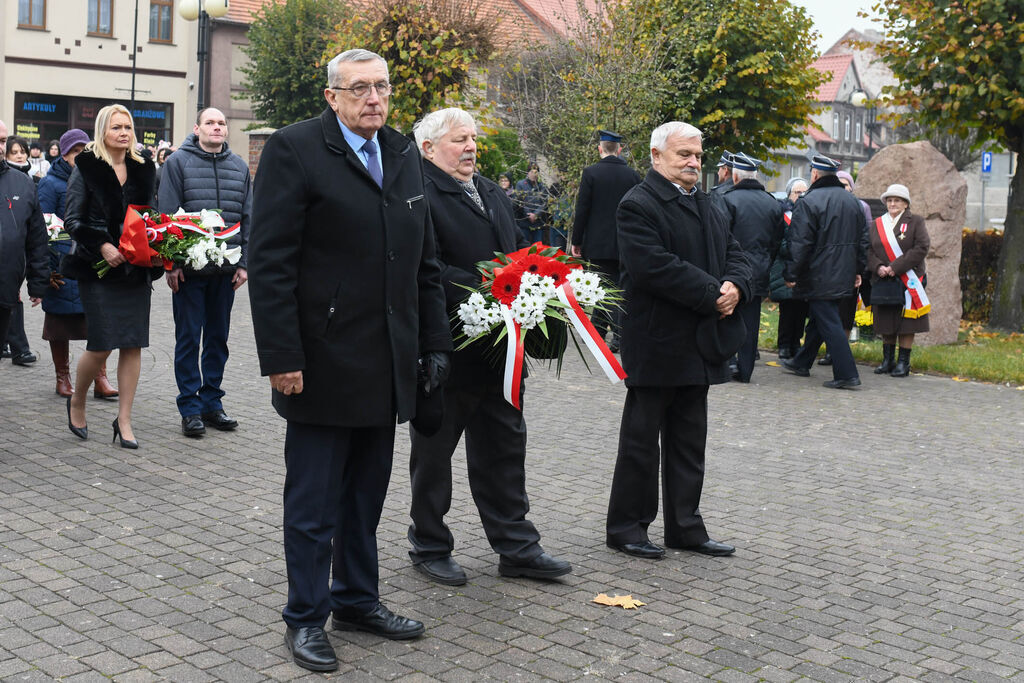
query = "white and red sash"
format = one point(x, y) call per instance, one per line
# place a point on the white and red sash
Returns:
point(788, 216)
point(916, 303)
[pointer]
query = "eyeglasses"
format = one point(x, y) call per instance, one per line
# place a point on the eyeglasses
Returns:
point(362, 90)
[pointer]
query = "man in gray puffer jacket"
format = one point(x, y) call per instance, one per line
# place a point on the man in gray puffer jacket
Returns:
point(204, 174)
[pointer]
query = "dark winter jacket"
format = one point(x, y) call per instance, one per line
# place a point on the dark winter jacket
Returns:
point(758, 226)
point(194, 179)
point(827, 242)
point(465, 236)
point(52, 190)
point(675, 253)
point(531, 198)
point(94, 209)
point(22, 238)
point(602, 187)
point(344, 282)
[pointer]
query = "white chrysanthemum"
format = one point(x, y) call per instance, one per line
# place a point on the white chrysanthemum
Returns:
point(528, 310)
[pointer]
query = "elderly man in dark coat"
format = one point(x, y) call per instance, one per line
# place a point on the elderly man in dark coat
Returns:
point(683, 273)
point(472, 219)
point(757, 224)
point(828, 244)
point(602, 187)
point(346, 299)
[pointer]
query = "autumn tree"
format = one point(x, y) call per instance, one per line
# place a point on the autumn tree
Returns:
point(960, 65)
point(284, 78)
point(739, 70)
point(435, 51)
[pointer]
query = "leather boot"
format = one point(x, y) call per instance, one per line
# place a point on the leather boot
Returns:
point(888, 351)
point(62, 365)
point(902, 367)
point(102, 387)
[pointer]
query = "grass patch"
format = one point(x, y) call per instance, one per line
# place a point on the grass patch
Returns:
point(979, 354)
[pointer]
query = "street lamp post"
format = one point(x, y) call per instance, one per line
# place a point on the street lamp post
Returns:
point(859, 99)
point(191, 10)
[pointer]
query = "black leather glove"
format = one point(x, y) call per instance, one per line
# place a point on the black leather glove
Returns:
point(434, 369)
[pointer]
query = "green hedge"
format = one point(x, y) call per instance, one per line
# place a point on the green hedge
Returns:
point(978, 273)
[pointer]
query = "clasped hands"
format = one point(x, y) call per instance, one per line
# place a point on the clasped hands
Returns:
point(726, 303)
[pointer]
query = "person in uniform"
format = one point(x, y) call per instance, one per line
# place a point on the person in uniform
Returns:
point(472, 219)
point(827, 252)
point(602, 186)
point(757, 224)
point(724, 173)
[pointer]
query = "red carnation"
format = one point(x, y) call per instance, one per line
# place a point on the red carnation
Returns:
point(505, 287)
point(176, 231)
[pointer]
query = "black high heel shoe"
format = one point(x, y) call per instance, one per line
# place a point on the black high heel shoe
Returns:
point(125, 443)
point(80, 432)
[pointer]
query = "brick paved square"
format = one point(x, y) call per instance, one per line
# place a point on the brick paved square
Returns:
point(855, 561)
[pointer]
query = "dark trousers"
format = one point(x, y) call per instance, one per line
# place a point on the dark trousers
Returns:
point(679, 415)
point(824, 326)
point(202, 314)
point(15, 335)
point(496, 462)
point(792, 318)
point(612, 318)
point(5, 320)
point(336, 479)
point(750, 312)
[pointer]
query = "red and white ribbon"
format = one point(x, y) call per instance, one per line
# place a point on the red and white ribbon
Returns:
point(916, 302)
point(591, 337)
point(514, 351)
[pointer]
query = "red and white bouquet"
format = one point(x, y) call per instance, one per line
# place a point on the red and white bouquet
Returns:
point(55, 227)
point(538, 287)
point(184, 239)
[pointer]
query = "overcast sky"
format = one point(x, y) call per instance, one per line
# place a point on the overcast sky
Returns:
point(833, 18)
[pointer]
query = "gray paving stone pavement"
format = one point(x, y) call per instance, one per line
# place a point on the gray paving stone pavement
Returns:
point(879, 535)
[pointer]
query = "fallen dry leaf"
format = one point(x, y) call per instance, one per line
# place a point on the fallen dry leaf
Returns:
point(623, 601)
point(960, 379)
point(773, 364)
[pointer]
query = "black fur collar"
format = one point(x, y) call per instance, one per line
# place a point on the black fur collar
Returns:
point(100, 178)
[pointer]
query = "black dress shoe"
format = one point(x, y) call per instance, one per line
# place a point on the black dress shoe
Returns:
point(826, 359)
point(708, 547)
point(541, 567)
point(842, 383)
point(443, 570)
point(381, 622)
point(310, 648)
point(795, 369)
point(192, 425)
point(24, 358)
point(218, 419)
point(644, 549)
point(6, 352)
point(785, 352)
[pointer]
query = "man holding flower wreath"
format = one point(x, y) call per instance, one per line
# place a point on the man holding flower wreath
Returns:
point(473, 219)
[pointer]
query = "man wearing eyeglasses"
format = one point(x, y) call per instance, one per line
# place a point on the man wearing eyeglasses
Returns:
point(346, 303)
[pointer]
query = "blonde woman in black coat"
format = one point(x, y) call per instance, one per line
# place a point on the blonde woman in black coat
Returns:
point(109, 175)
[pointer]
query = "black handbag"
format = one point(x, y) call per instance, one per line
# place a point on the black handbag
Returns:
point(888, 291)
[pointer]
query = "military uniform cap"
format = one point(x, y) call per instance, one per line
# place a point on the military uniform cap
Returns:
point(608, 136)
point(744, 162)
point(725, 160)
point(823, 163)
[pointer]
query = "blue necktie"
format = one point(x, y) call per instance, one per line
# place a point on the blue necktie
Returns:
point(372, 162)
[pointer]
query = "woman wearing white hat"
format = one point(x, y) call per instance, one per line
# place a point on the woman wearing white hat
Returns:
point(899, 245)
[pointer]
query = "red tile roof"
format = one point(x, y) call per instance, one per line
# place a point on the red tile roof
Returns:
point(241, 11)
point(836, 67)
point(818, 135)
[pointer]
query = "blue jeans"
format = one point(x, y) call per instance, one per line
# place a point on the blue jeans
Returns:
point(202, 313)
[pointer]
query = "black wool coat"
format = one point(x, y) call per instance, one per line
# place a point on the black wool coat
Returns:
point(675, 254)
point(758, 226)
point(602, 186)
point(465, 236)
point(827, 241)
point(94, 208)
point(344, 282)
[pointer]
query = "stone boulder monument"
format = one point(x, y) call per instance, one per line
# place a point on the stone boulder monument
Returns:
point(939, 194)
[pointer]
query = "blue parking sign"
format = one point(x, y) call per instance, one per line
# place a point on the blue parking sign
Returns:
point(986, 162)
